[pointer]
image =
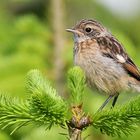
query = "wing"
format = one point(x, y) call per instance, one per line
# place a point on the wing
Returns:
point(111, 47)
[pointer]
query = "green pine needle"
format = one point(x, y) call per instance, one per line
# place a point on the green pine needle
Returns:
point(13, 111)
point(45, 107)
point(45, 101)
point(76, 84)
point(119, 120)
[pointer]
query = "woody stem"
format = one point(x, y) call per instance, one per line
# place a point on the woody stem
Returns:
point(75, 134)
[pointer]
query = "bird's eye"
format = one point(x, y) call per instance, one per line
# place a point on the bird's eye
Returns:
point(88, 29)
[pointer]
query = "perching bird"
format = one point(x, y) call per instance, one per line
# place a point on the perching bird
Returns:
point(104, 60)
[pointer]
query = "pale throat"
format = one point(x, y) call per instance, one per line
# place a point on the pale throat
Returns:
point(81, 38)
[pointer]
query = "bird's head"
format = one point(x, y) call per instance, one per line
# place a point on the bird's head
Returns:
point(87, 29)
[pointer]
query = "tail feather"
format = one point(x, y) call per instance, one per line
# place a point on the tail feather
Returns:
point(135, 86)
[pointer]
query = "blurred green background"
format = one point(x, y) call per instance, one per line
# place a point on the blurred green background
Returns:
point(32, 36)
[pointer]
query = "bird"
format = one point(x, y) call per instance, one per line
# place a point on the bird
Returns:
point(104, 60)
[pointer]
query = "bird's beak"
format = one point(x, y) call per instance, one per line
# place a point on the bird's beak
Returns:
point(74, 31)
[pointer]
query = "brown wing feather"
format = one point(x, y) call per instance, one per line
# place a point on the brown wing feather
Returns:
point(132, 69)
point(111, 47)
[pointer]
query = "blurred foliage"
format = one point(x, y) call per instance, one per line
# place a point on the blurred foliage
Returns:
point(26, 42)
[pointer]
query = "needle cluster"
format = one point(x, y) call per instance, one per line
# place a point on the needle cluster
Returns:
point(45, 107)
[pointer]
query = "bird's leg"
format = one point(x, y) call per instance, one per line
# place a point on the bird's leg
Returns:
point(105, 103)
point(115, 100)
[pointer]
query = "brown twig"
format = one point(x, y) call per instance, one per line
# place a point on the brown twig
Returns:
point(78, 122)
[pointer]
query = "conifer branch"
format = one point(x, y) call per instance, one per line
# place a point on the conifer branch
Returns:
point(13, 111)
point(45, 103)
point(119, 120)
point(76, 84)
point(46, 107)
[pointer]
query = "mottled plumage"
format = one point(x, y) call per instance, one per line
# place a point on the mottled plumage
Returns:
point(103, 58)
